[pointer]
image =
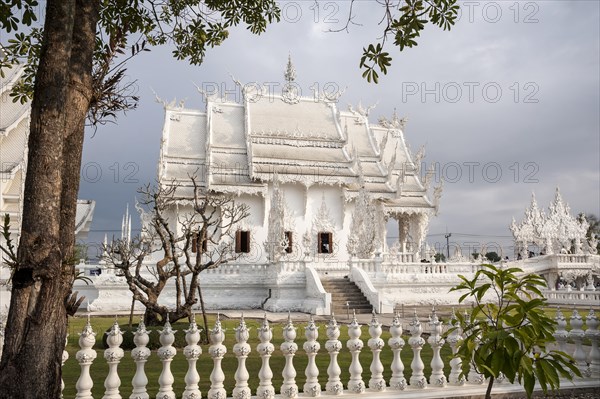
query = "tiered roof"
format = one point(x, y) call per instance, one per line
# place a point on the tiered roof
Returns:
point(240, 147)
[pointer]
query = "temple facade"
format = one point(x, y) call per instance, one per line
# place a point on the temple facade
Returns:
point(320, 182)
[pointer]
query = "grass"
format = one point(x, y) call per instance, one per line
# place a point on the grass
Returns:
point(179, 365)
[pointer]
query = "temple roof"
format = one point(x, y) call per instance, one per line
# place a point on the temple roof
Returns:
point(240, 147)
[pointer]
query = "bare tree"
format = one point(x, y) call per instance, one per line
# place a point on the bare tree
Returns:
point(189, 243)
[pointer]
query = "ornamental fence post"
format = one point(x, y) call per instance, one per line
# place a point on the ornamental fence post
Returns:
point(436, 342)
point(417, 379)
point(376, 383)
point(397, 382)
point(334, 386)
point(289, 389)
point(192, 353)
point(311, 347)
point(354, 344)
point(216, 351)
point(85, 357)
point(140, 355)
point(577, 335)
point(166, 353)
point(113, 356)
point(241, 350)
point(265, 388)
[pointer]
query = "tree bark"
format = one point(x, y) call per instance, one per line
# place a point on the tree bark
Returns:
point(79, 95)
point(37, 319)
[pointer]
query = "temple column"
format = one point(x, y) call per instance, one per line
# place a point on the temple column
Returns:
point(403, 225)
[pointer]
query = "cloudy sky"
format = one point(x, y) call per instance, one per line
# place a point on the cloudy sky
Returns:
point(507, 104)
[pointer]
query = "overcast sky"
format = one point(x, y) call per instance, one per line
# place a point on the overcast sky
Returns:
point(507, 103)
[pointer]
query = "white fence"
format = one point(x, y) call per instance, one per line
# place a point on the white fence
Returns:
point(586, 357)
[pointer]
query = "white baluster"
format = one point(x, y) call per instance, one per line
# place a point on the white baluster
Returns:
point(241, 350)
point(85, 356)
point(311, 347)
point(454, 340)
point(333, 345)
point(376, 383)
point(65, 357)
point(577, 335)
point(140, 355)
point(355, 345)
point(473, 377)
point(436, 342)
point(289, 389)
point(591, 321)
point(166, 353)
point(265, 388)
point(217, 350)
point(113, 356)
point(561, 334)
point(397, 382)
point(192, 352)
point(416, 342)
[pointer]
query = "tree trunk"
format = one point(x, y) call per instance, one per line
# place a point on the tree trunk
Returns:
point(488, 392)
point(37, 319)
point(79, 95)
point(204, 319)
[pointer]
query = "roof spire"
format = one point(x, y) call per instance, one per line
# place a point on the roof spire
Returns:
point(290, 71)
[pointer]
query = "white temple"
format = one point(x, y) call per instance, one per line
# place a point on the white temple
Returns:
point(322, 179)
point(322, 185)
point(553, 232)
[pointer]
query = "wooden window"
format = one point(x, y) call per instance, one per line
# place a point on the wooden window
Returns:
point(196, 242)
point(289, 235)
point(325, 242)
point(242, 241)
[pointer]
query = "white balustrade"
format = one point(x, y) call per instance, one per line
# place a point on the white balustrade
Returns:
point(577, 335)
point(355, 345)
point(416, 342)
point(592, 333)
point(85, 357)
point(289, 389)
point(265, 349)
point(454, 340)
point(311, 347)
point(192, 352)
point(241, 349)
point(166, 353)
point(113, 356)
point(397, 382)
point(333, 345)
point(376, 383)
point(140, 355)
point(436, 342)
point(216, 351)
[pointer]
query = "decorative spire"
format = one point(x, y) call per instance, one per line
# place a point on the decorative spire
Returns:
point(290, 71)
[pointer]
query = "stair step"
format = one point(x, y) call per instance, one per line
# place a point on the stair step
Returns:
point(344, 291)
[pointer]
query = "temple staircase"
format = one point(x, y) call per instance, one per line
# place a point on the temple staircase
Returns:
point(343, 290)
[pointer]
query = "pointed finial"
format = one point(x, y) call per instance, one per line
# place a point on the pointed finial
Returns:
point(290, 71)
